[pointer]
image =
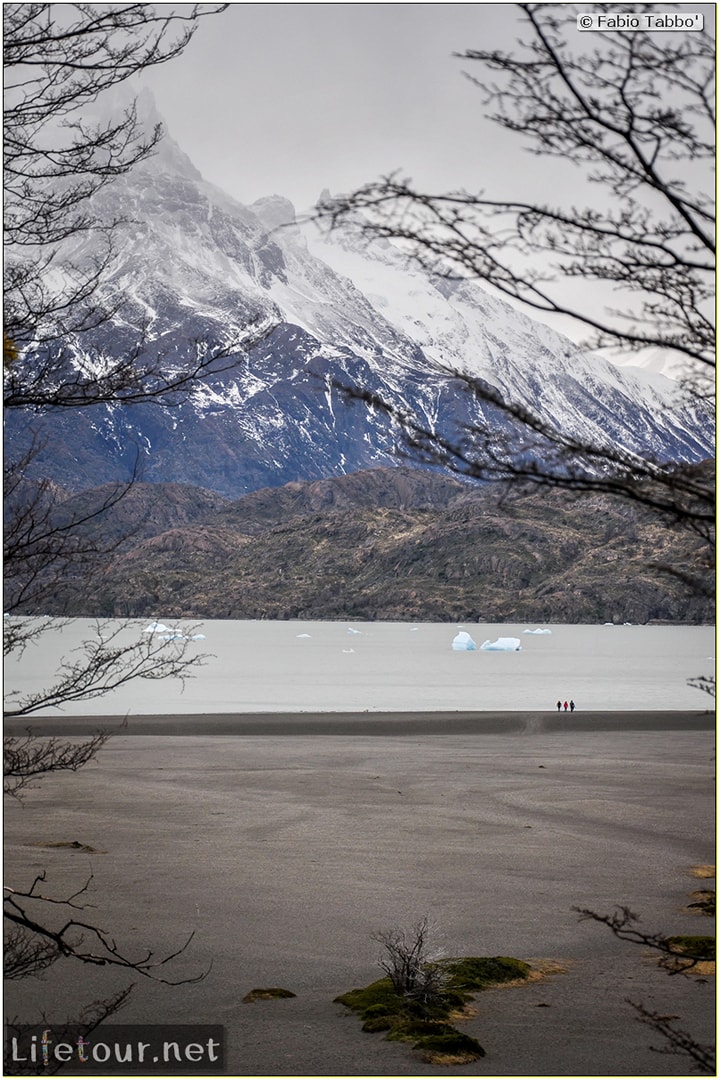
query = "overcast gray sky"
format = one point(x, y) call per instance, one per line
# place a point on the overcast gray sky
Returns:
point(292, 98)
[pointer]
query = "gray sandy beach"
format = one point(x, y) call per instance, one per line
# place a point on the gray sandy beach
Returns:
point(285, 849)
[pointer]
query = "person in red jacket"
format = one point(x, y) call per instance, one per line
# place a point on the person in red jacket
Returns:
point(565, 706)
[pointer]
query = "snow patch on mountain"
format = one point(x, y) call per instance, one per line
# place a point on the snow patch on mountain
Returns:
point(298, 312)
point(464, 327)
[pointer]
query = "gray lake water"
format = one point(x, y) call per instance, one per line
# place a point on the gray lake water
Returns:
point(264, 666)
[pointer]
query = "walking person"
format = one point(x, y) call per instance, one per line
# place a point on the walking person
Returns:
point(565, 706)
point(572, 705)
point(559, 704)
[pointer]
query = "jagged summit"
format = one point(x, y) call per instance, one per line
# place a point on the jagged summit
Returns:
point(274, 210)
point(199, 268)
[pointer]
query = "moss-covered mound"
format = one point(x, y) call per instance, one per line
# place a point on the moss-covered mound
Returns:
point(700, 947)
point(269, 993)
point(471, 974)
point(704, 902)
point(427, 1023)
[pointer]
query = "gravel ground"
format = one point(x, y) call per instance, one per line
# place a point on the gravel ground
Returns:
point(284, 852)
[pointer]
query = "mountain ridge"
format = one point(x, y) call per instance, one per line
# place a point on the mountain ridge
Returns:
point(300, 314)
point(392, 544)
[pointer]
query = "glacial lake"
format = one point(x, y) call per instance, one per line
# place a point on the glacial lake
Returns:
point(265, 666)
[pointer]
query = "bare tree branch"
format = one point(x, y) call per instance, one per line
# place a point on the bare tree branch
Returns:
point(102, 664)
point(536, 453)
point(90, 1018)
point(679, 1041)
point(28, 758)
point(59, 61)
point(633, 116)
point(70, 936)
point(625, 113)
point(706, 683)
point(675, 959)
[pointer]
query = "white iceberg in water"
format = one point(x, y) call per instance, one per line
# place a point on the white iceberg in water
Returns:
point(303, 635)
point(538, 631)
point(170, 633)
point(352, 631)
point(464, 642)
point(503, 644)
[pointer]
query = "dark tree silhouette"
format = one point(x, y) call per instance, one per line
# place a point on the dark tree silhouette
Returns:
point(59, 61)
point(632, 116)
point(677, 957)
point(26, 759)
point(36, 945)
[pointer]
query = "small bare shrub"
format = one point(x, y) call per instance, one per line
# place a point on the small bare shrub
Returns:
point(413, 969)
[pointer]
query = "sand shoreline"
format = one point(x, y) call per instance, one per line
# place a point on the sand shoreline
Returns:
point(366, 723)
point(283, 856)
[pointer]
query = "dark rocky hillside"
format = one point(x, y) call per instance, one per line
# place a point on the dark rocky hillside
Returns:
point(397, 544)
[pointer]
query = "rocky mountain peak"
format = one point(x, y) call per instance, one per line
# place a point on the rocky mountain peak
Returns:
point(273, 211)
point(303, 314)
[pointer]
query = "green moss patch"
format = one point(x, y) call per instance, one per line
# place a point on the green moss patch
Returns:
point(475, 973)
point(700, 947)
point(378, 995)
point(426, 1024)
point(269, 993)
point(449, 1049)
point(704, 902)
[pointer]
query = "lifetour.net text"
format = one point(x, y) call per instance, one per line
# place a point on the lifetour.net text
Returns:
point(641, 20)
point(120, 1049)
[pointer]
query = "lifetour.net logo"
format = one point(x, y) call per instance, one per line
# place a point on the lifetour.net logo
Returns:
point(641, 20)
point(114, 1049)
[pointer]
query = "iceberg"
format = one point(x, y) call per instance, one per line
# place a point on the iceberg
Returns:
point(503, 644)
point(463, 641)
point(157, 628)
point(538, 631)
point(303, 635)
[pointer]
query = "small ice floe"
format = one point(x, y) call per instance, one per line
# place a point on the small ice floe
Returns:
point(540, 630)
point(198, 637)
point(157, 628)
point(503, 644)
point(352, 631)
point(413, 629)
point(303, 635)
point(462, 642)
point(173, 635)
point(348, 650)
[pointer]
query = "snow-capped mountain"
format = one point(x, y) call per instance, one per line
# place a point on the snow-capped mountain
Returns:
point(199, 269)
